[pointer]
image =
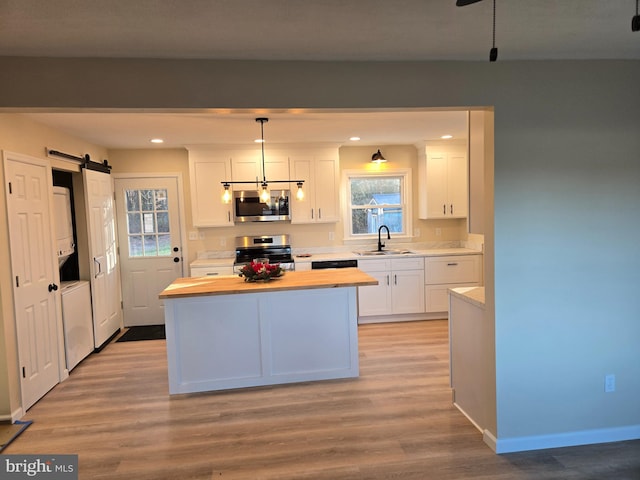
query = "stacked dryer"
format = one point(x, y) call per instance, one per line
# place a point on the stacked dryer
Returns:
point(76, 294)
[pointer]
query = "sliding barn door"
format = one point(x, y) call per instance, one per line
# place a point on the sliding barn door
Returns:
point(103, 252)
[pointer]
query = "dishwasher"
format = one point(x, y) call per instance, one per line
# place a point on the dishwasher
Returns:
point(322, 264)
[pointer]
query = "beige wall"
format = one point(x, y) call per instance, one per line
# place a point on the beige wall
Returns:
point(21, 135)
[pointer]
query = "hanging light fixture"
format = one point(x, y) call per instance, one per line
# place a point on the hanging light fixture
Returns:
point(226, 196)
point(493, 53)
point(635, 21)
point(265, 196)
point(377, 157)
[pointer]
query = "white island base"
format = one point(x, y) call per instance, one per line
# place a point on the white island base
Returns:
point(250, 339)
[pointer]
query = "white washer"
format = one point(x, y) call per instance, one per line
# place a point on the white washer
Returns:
point(77, 320)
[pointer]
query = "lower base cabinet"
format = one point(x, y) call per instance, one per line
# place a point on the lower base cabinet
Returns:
point(451, 271)
point(399, 290)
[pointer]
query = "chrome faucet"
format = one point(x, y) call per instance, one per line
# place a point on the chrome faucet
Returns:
point(380, 244)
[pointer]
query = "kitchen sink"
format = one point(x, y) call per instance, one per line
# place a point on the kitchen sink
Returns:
point(367, 253)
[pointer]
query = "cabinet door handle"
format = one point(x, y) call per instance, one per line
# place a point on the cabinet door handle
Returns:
point(452, 209)
point(444, 208)
point(312, 214)
point(319, 213)
point(451, 264)
point(229, 216)
point(387, 279)
point(395, 279)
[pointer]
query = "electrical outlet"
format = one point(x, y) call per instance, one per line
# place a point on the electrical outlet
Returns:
point(223, 242)
point(331, 235)
point(610, 383)
point(438, 232)
point(201, 235)
point(193, 235)
point(416, 232)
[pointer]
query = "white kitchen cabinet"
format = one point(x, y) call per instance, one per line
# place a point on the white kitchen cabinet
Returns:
point(247, 165)
point(399, 290)
point(319, 168)
point(375, 299)
point(451, 271)
point(208, 168)
point(444, 174)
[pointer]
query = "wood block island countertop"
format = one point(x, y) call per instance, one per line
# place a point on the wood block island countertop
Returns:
point(310, 279)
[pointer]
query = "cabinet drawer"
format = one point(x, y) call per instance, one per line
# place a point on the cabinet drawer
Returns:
point(453, 269)
point(412, 263)
point(211, 271)
point(375, 265)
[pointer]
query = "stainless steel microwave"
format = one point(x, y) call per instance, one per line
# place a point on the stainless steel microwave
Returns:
point(248, 207)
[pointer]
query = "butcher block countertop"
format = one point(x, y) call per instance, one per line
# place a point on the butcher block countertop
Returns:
point(301, 280)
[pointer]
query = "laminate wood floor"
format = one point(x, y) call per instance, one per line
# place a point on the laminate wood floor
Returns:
point(394, 422)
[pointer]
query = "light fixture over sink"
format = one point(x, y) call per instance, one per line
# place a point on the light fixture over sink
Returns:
point(377, 157)
point(264, 185)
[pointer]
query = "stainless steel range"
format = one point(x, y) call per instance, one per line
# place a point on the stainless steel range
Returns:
point(274, 247)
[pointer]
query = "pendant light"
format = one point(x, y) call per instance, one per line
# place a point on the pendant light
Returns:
point(265, 196)
point(635, 21)
point(493, 53)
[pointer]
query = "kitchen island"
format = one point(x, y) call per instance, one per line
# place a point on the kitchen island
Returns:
point(224, 333)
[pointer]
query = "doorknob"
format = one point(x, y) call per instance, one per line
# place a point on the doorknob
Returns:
point(176, 259)
point(175, 249)
point(53, 287)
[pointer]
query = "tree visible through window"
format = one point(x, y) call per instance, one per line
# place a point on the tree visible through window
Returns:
point(376, 200)
point(148, 223)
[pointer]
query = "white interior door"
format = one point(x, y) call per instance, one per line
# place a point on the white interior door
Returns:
point(34, 272)
point(103, 251)
point(150, 244)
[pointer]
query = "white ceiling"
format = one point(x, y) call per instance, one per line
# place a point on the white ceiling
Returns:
point(304, 30)
point(135, 130)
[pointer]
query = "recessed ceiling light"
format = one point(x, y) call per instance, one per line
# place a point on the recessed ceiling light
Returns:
point(446, 137)
point(157, 140)
point(354, 139)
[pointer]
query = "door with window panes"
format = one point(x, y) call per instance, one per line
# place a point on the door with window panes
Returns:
point(150, 245)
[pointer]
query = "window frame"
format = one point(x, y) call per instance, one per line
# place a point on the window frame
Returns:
point(406, 200)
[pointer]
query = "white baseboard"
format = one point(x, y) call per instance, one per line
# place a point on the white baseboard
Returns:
point(406, 317)
point(15, 415)
point(468, 417)
point(569, 439)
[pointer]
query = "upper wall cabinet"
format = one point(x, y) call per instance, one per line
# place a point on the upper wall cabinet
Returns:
point(443, 181)
point(319, 168)
point(247, 165)
point(208, 168)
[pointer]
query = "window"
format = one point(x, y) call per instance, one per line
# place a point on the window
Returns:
point(148, 223)
point(376, 199)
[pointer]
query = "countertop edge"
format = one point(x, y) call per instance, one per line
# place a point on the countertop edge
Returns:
point(303, 280)
point(474, 295)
